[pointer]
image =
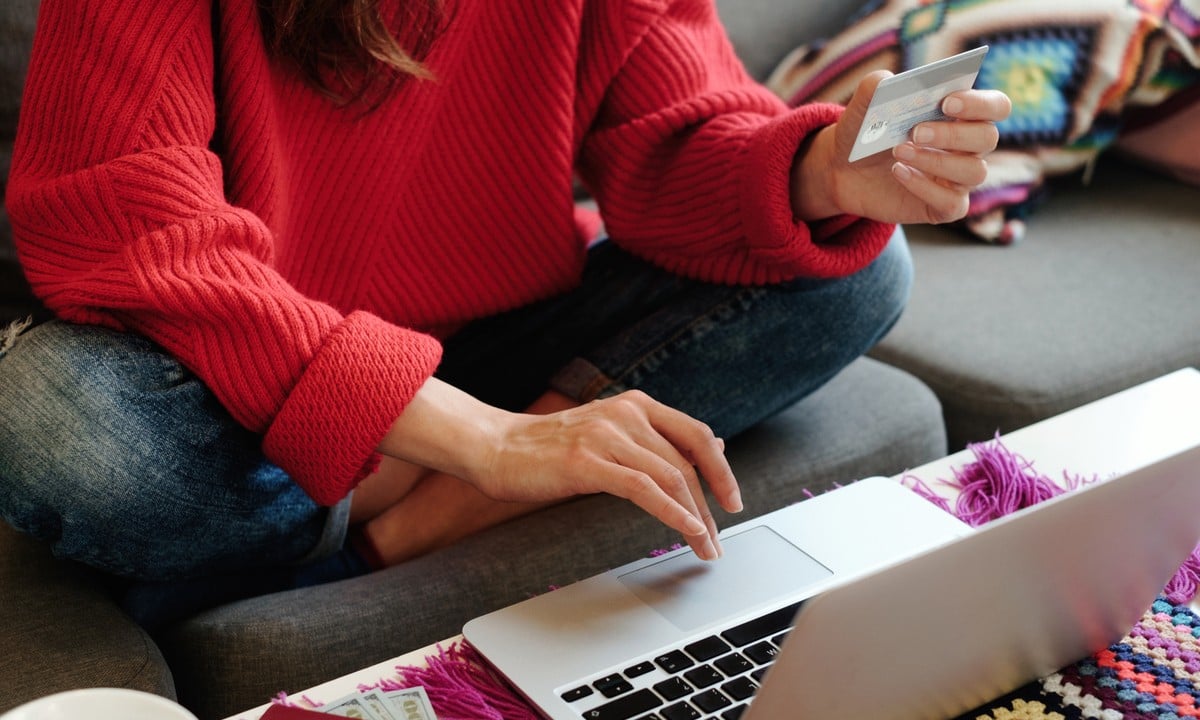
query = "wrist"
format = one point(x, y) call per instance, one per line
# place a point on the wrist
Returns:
point(445, 429)
point(812, 182)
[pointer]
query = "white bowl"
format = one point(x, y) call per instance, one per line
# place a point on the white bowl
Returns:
point(100, 704)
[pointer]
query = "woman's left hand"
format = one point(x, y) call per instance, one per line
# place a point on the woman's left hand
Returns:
point(927, 179)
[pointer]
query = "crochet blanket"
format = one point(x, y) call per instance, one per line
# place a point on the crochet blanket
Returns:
point(1075, 70)
point(1151, 673)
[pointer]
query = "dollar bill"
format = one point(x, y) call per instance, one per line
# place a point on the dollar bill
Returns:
point(408, 704)
point(352, 706)
point(411, 704)
point(381, 705)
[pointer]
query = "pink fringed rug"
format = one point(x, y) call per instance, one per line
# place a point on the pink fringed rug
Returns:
point(1154, 672)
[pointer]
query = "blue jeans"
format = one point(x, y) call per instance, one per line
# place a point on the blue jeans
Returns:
point(119, 458)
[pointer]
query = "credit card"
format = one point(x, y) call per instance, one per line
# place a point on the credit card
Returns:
point(914, 96)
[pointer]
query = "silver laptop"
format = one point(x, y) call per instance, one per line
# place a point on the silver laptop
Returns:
point(867, 601)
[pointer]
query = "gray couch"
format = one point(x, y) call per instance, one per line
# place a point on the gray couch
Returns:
point(1097, 298)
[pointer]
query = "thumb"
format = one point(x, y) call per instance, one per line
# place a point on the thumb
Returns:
point(851, 123)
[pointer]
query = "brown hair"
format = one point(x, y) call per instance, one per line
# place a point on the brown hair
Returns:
point(345, 48)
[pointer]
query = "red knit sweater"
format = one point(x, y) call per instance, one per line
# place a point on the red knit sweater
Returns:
point(302, 259)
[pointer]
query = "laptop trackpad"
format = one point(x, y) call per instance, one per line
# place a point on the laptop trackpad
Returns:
point(757, 567)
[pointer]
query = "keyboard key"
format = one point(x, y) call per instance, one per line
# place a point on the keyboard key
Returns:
point(625, 707)
point(734, 664)
point(577, 694)
point(734, 713)
point(612, 686)
point(682, 711)
point(638, 670)
point(760, 673)
point(674, 661)
point(740, 688)
point(778, 639)
point(761, 627)
point(762, 653)
point(707, 649)
point(673, 688)
point(703, 676)
point(710, 701)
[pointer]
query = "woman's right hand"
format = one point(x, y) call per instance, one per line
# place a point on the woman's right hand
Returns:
point(629, 445)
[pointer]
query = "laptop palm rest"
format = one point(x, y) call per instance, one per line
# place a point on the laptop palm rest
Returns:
point(691, 593)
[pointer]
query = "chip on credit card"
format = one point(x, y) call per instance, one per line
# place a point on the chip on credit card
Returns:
point(914, 96)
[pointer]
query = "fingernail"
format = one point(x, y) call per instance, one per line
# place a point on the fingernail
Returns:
point(905, 151)
point(923, 135)
point(952, 106)
point(735, 501)
point(694, 527)
point(710, 550)
point(901, 171)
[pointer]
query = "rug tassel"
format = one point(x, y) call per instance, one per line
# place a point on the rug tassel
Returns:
point(462, 687)
point(995, 484)
point(999, 482)
point(1184, 587)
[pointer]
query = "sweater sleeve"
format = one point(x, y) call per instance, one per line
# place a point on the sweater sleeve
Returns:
point(690, 159)
point(120, 219)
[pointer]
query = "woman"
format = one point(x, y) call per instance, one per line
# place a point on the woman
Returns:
point(308, 247)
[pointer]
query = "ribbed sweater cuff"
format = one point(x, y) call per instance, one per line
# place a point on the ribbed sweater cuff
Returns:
point(835, 247)
point(360, 381)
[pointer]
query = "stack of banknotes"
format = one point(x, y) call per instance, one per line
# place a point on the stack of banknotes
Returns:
point(407, 704)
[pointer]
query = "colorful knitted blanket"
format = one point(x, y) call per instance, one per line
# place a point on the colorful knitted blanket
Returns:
point(1076, 70)
point(1151, 673)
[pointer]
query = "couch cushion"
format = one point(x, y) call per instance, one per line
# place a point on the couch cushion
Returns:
point(1102, 295)
point(871, 419)
point(16, 36)
point(17, 19)
point(60, 630)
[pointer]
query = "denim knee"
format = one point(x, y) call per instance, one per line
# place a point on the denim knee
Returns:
point(878, 294)
point(820, 326)
point(121, 459)
point(732, 356)
point(842, 319)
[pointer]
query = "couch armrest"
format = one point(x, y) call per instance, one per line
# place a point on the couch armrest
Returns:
point(61, 631)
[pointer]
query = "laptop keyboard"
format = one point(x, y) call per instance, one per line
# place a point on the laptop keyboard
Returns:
point(714, 677)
